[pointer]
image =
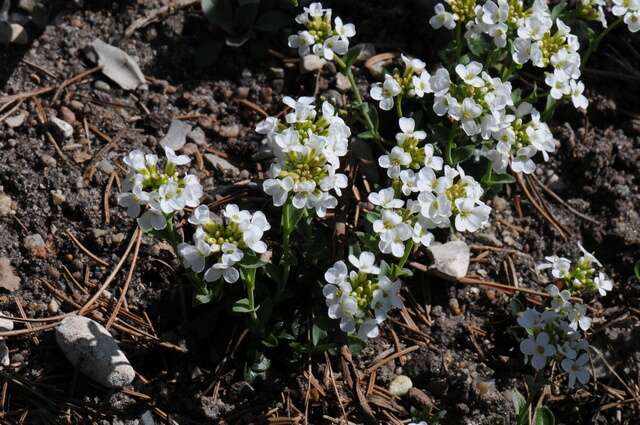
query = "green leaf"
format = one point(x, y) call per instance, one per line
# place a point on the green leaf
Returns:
point(272, 20)
point(544, 416)
point(242, 307)
point(351, 56)
point(461, 153)
point(251, 262)
point(317, 334)
point(479, 45)
point(636, 269)
point(519, 402)
point(558, 9)
point(365, 135)
point(372, 216)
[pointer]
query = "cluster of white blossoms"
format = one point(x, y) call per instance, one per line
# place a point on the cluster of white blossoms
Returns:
point(162, 191)
point(418, 200)
point(413, 81)
point(320, 37)
point(630, 11)
point(308, 147)
point(533, 39)
point(557, 332)
point(360, 298)
point(220, 242)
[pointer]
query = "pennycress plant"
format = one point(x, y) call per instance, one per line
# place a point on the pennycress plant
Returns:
point(557, 333)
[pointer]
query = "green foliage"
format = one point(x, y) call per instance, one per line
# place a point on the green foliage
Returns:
point(544, 416)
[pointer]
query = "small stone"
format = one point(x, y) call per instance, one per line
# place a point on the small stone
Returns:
point(229, 131)
point(454, 305)
point(91, 348)
point(48, 160)
point(17, 120)
point(5, 324)
point(36, 245)
point(13, 33)
point(62, 128)
point(189, 149)
point(53, 307)
point(311, 63)
point(101, 85)
point(57, 197)
point(67, 115)
point(105, 166)
point(27, 5)
point(147, 418)
point(342, 82)
point(76, 105)
point(376, 64)
point(221, 164)
point(451, 258)
point(367, 50)
point(8, 279)
point(7, 206)
point(197, 136)
point(400, 385)
point(81, 156)
point(118, 238)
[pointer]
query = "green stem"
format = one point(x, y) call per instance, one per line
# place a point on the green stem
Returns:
point(250, 284)
point(449, 148)
point(593, 46)
point(458, 41)
point(407, 251)
point(359, 102)
point(399, 106)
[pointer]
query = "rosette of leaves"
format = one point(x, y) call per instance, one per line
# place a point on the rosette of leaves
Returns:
point(242, 19)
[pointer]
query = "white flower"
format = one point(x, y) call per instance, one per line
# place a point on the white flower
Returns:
point(385, 93)
point(393, 233)
point(302, 41)
point(579, 100)
point(588, 256)
point(386, 297)
point(176, 159)
point(421, 84)
point(559, 266)
point(152, 220)
point(385, 198)
point(538, 348)
point(344, 30)
point(470, 73)
point(632, 19)
point(395, 161)
point(278, 189)
point(407, 125)
point(440, 82)
point(169, 198)
point(578, 317)
point(559, 83)
point(224, 268)
point(337, 274)
point(368, 329)
point(522, 162)
point(201, 215)
point(194, 256)
point(416, 66)
point(365, 263)
point(442, 18)
point(603, 283)
point(577, 369)
point(470, 217)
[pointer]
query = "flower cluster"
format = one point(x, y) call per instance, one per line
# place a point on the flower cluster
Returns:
point(308, 147)
point(360, 298)
point(417, 200)
point(462, 12)
point(557, 332)
point(413, 81)
point(320, 37)
point(220, 242)
point(536, 42)
point(163, 191)
point(630, 11)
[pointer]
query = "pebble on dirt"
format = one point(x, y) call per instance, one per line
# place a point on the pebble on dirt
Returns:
point(311, 63)
point(8, 279)
point(91, 348)
point(35, 245)
point(400, 385)
point(7, 205)
point(221, 164)
point(451, 258)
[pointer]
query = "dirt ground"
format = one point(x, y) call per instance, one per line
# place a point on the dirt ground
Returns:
point(456, 340)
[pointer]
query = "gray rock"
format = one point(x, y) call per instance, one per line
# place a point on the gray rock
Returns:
point(221, 164)
point(229, 131)
point(342, 82)
point(8, 279)
point(451, 258)
point(197, 136)
point(6, 205)
point(105, 166)
point(367, 50)
point(89, 347)
point(311, 63)
point(13, 33)
point(101, 85)
point(118, 66)
point(177, 135)
point(57, 197)
point(33, 242)
point(17, 120)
